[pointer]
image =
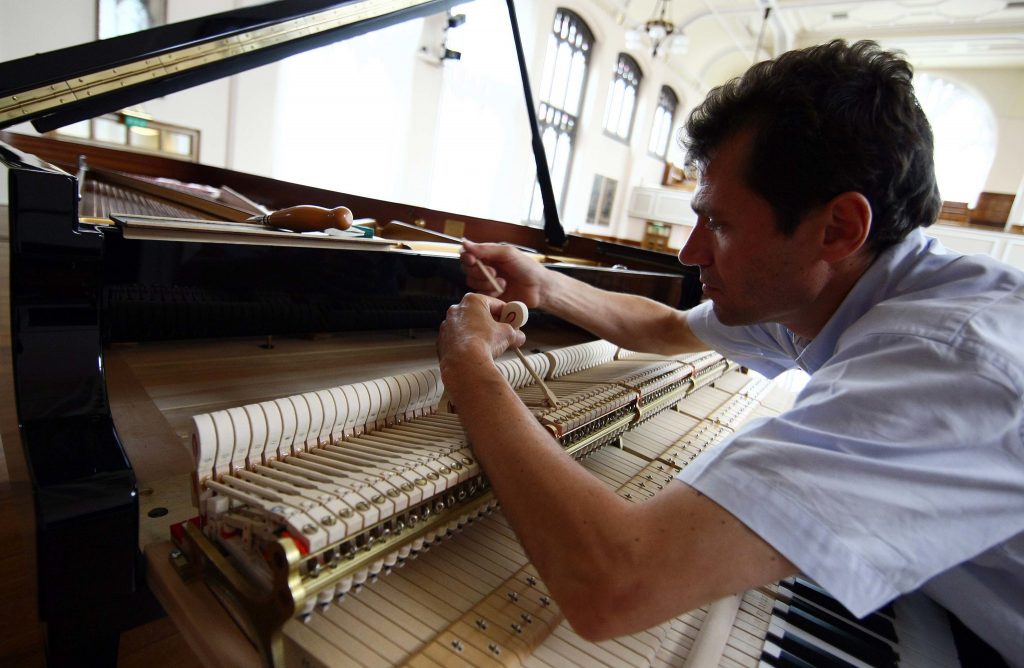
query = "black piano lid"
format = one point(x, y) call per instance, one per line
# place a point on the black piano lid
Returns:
point(69, 85)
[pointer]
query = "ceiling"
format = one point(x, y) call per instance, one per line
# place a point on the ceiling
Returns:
point(935, 34)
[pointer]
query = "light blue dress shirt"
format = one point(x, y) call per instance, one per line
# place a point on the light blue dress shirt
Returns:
point(901, 464)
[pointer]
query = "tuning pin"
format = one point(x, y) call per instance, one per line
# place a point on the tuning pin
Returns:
point(307, 218)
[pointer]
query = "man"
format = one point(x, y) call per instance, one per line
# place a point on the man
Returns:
point(901, 464)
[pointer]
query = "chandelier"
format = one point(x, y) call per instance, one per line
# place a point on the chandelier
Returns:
point(658, 33)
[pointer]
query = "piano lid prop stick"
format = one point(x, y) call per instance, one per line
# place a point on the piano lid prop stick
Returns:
point(307, 218)
point(515, 314)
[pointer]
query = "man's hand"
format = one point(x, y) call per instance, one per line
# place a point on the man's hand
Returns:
point(471, 335)
point(519, 276)
point(630, 321)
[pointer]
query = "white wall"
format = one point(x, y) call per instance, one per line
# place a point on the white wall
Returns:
point(66, 24)
point(39, 26)
point(595, 152)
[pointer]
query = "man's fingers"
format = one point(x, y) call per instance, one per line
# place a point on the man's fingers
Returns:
point(476, 279)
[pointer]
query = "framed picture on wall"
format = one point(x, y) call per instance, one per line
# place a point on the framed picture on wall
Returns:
point(120, 17)
point(602, 197)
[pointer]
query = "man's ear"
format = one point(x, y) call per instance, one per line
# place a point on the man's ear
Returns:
point(847, 224)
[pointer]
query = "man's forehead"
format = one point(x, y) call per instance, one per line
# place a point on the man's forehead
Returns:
point(707, 180)
point(703, 201)
point(726, 163)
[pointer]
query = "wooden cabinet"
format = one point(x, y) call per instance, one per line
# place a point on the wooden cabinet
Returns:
point(656, 236)
point(992, 210)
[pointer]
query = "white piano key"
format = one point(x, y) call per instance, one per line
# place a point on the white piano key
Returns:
point(379, 397)
point(258, 432)
point(390, 400)
point(287, 411)
point(363, 405)
point(315, 408)
point(225, 443)
point(242, 438)
point(330, 412)
point(204, 447)
point(300, 438)
point(405, 385)
point(275, 428)
point(337, 429)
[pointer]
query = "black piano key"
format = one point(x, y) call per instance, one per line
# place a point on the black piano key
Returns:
point(853, 628)
point(785, 660)
point(877, 624)
point(835, 632)
point(886, 610)
point(799, 652)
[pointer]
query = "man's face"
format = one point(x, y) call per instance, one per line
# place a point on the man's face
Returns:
point(751, 271)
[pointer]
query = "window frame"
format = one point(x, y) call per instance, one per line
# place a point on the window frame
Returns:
point(666, 97)
point(566, 69)
point(628, 78)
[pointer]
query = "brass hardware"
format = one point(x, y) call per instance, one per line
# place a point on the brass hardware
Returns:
point(455, 228)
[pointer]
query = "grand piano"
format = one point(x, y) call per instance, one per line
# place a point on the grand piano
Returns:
point(86, 287)
point(149, 314)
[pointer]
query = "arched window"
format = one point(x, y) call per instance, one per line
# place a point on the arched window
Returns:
point(561, 96)
point(618, 115)
point(663, 117)
point(965, 137)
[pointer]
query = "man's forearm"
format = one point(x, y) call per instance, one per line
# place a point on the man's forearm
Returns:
point(613, 566)
point(630, 321)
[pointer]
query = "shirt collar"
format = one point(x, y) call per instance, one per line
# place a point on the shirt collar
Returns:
point(872, 287)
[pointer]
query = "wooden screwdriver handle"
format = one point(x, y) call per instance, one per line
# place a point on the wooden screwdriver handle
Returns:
point(307, 218)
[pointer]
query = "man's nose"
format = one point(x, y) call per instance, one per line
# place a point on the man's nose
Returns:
point(695, 251)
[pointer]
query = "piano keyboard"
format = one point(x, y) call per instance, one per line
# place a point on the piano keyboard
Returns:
point(810, 628)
